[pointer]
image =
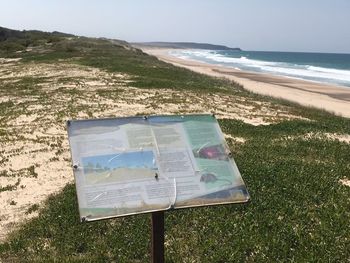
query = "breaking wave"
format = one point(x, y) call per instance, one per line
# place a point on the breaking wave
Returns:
point(301, 71)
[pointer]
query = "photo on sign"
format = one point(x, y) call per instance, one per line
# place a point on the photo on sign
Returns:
point(119, 167)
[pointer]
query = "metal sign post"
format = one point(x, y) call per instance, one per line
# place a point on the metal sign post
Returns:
point(157, 252)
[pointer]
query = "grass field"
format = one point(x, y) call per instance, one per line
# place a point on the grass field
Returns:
point(293, 164)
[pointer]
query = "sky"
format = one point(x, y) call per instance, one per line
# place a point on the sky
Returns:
point(269, 25)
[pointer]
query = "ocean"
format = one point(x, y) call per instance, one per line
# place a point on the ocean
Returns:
point(328, 68)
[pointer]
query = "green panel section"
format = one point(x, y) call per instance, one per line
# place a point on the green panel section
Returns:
point(215, 174)
point(202, 132)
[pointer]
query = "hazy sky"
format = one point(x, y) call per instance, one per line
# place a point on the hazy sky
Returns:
point(294, 25)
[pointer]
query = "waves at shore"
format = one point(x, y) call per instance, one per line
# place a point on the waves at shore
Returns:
point(317, 93)
point(319, 67)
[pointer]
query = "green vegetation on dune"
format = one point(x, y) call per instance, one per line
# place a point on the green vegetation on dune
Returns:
point(15, 40)
point(299, 211)
point(146, 71)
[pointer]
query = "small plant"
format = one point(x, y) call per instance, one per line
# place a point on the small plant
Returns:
point(32, 172)
point(54, 159)
point(32, 209)
point(10, 187)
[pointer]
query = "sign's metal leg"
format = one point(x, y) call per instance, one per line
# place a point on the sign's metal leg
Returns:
point(158, 237)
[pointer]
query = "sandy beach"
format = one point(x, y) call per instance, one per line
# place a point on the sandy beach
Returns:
point(334, 99)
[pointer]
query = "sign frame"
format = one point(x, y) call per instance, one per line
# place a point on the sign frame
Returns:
point(220, 151)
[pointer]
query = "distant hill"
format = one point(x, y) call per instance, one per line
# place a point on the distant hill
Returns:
point(7, 34)
point(16, 40)
point(190, 45)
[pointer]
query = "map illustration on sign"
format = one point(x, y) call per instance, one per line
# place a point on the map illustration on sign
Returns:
point(131, 165)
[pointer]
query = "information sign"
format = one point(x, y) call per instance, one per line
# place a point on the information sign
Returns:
point(131, 165)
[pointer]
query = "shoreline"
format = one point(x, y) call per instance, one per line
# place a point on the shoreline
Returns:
point(332, 98)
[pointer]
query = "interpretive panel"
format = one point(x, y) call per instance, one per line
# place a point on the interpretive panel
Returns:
point(131, 165)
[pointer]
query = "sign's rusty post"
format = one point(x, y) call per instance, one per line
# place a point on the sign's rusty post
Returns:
point(158, 237)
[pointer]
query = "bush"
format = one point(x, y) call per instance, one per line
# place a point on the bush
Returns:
point(10, 46)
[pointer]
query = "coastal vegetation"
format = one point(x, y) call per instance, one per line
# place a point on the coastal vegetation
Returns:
point(294, 160)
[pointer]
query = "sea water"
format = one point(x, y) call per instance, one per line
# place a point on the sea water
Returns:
point(320, 67)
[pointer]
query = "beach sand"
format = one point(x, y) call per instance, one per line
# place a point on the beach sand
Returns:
point(334, 99)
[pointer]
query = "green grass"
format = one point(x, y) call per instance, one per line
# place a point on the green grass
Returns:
point(299, 211)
